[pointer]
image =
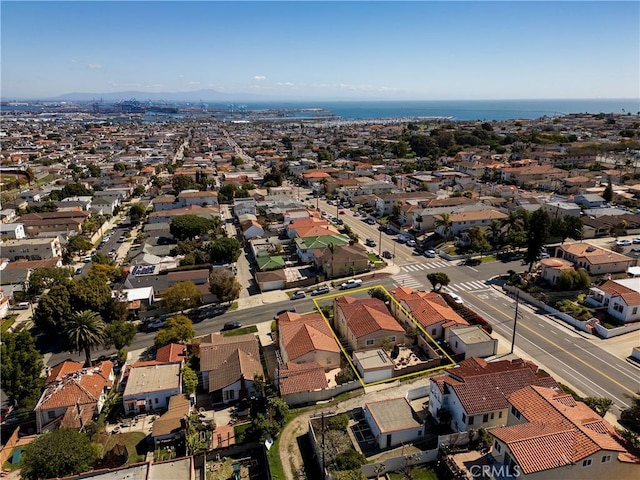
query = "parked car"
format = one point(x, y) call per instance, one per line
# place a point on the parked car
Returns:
point(156, 324)
point(320, 291)
point(623, 243)
point(353, 283)
point(356, 214)
point(231, 326)
point(370, 242)
point(387, 254)
point(430, 253)
point(456, 298)
point(87, 259)
point(79, 270)
point(342, 212)
point(411, 243)
point(370, 221)
point(121, 239)
point(298, 294)
point(636, 240)
point(293, 310)
point(516, 256)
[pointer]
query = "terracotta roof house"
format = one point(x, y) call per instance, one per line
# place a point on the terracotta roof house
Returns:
point(474, 394)
point(620, 297)
point(228, 366)
point(296, 381)
point(463, 221)
point(307, 339)
point(550, 435)
point(429, 309)
point(73, 395)
point(366, 323)
point(595, 260)
point(552, 268)
point(172, 353)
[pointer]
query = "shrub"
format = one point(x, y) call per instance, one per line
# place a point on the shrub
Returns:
point(349, 460)
point(338, 422)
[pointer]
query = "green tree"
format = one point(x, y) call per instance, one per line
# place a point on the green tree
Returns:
point(479, 242)
point(120, 334)
point(78, 244)
point(183, 182)
point(600, 405)
point(349, 460)
point(444, 222)
point(224, 285)
point(438, 280)
point(378, 293)
point(278, 410)
point(177, 329)
point(54, 308)
point(85, 331)
point(607, 194)
point(188, 227)
point(224, 250)
point(227, 193)
point(43, 278)
point(537, 235)
point(181, 296)
point(630, 417)
point(572, 228)
point(20, 368)
point(57, 454)
point(189, 380)
point(495, 230)
point(137, 213)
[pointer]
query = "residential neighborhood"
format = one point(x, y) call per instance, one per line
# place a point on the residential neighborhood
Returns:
point(222, 295)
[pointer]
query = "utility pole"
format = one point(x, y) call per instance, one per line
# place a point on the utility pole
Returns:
point(515, 321)
point(380, 245)
point(323, 464)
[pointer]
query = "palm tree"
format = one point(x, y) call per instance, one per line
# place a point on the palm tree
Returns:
point(495, 228)
point(445, 222)
point(84, 331)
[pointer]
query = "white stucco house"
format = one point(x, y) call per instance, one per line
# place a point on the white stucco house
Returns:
point(620, 297)
point(149, 387)
point(393, 422)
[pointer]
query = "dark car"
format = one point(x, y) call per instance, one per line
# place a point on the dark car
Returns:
point(231, 326)
point(284, 311)
point(387, 254)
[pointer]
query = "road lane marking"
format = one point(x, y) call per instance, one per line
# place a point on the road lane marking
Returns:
point(586, 364)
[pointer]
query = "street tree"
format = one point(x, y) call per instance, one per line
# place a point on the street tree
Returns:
point(188, 227)
point(78, 244)
point(607, 194)
point(224, 285)
point(378, 293)
point(120, 334)
point(58, 454)
point(479, 242)
point(43, 278)
point(537, 235)
point(182, 296)
point(137, 213)
point(177, 329)
point(183, 182)
point(630, 417)
point(54, 308)
point(224, 250)
point(438, 280)
point(85, 331)
point(20, 369)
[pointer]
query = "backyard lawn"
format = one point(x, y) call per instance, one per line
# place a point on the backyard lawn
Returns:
point(419, 472)
point(130, 440)
point(240, 331)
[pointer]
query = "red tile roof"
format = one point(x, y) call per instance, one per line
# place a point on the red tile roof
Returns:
point(62, 369)
point(301, 377)
point(174, 352)
point(559, 432)
point(229, 358)
point(302, 334)
point(366, 316)
point(628, 295)
point(484, 387)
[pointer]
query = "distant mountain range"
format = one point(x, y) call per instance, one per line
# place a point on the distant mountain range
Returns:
point(192, 96)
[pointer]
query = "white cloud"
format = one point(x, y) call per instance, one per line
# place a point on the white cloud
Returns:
point(258, 78)
point(285, 84)
point(94, 66)
point(193, 83)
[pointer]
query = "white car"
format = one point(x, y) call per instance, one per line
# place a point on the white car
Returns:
point(456, 298)
point(623, 243)
point(430, 254)
point(411, 243)
point(298, 294)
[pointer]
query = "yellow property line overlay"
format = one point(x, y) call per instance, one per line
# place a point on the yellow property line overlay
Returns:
point(413, 320)
point(586, 364)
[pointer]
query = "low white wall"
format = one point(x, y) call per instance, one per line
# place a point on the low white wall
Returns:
point(394, 464)
point(319, 395)
point(614, 332)
point(419, 392)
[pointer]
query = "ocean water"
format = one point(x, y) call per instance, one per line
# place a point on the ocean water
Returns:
point(488, 110)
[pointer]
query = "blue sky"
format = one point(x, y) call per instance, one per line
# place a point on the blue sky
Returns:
point(324, 50)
